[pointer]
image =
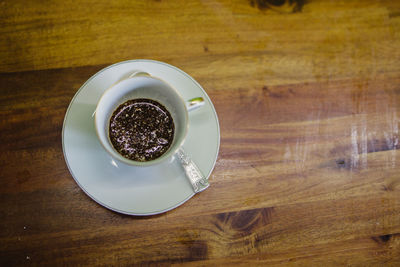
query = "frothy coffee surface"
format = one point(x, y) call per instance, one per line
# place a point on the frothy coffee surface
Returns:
point(141, 129)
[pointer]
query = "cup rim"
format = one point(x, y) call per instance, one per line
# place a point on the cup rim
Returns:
point(169, 153)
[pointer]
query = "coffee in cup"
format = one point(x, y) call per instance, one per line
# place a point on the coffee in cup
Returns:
point(141, 129)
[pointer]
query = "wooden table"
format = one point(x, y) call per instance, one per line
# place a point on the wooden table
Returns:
point(308, 98)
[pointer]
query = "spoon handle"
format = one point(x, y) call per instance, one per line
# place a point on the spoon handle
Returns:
point(193, 173)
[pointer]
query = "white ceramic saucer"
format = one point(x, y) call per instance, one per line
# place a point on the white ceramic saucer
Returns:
point(127, 189)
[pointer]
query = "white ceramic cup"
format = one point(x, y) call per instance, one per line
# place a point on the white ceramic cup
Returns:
point(143, 85)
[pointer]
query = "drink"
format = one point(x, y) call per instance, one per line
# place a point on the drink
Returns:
point(141, 129)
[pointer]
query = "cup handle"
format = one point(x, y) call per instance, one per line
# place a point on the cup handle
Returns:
point(194, 103)
point(193, 173)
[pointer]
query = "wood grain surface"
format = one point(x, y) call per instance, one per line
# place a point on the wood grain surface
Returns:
point(308, 99)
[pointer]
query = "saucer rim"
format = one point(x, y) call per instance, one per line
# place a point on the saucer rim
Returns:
point(93, 77)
